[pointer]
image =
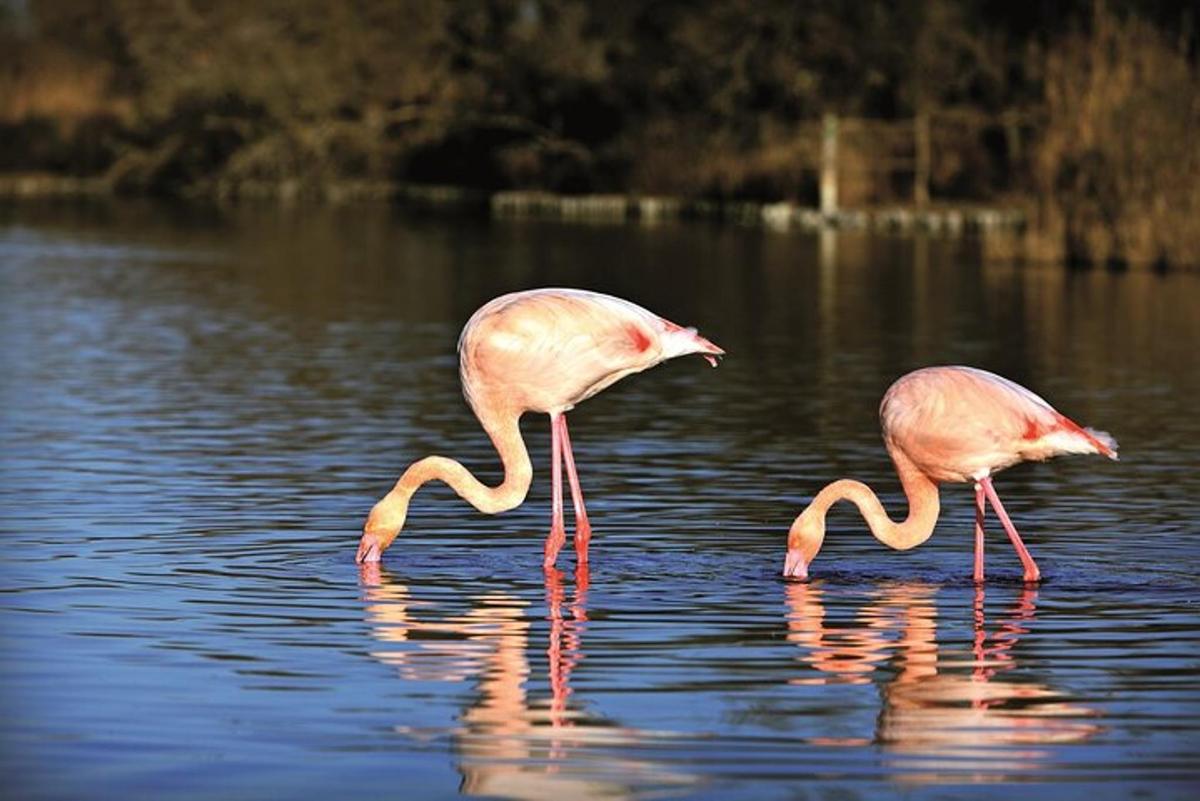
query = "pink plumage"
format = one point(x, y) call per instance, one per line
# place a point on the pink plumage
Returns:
point(542, 350)
point(963, 424)
point(546, 350)
point(949, 424)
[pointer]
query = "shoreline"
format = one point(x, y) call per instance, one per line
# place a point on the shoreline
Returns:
point(534, 204)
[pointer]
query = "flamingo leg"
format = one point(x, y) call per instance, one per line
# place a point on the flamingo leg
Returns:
point(979, 513)
point(583, 529)
point(558, 533)
point(1032, 573)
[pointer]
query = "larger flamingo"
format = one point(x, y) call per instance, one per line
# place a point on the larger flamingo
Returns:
point(949, 424)
point(542, 350)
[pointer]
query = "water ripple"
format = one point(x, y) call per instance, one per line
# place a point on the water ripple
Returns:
point(196, 416)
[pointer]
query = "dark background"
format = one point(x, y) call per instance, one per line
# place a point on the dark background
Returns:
point(1085, 113)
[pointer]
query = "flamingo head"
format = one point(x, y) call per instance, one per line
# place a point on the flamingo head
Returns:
point(804, 541)
point(382, 526)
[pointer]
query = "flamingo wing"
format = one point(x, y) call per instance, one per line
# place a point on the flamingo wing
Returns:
point(552, 348)
point(962, 423)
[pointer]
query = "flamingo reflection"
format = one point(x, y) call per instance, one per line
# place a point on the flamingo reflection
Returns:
point(946, 713)
point(508, 743)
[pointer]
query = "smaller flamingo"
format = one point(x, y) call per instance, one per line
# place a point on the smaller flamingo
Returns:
point(949, 424)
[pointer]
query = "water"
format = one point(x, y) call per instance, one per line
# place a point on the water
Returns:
point(199, 409)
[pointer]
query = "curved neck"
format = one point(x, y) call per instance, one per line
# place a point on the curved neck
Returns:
point(387, 517)
point(808, 530)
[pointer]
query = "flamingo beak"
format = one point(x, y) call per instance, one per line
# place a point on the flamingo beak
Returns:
point(793, 566)
point(368, 551)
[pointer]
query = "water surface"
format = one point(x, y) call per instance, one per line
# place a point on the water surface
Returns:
point(199, 408)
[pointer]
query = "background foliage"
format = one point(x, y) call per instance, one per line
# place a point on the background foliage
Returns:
point(1089, 111)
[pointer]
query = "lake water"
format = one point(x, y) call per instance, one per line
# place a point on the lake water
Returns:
point(199, 409)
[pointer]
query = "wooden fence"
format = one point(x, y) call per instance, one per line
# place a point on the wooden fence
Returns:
point(909, 146)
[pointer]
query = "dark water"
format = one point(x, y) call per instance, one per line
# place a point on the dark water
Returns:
point(198, 410)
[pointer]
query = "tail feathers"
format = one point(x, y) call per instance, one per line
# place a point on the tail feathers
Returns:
point(1070, 437)
point(1103, 441)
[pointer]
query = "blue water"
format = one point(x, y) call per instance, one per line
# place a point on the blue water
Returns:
point(199, 409)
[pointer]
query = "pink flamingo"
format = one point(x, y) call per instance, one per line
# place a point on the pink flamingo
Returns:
point(948, 424)
point(542, 350)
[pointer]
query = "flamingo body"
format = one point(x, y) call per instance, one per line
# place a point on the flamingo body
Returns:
point(963, 424)
point(949, 424)
point(546, 350)
point(542, 350)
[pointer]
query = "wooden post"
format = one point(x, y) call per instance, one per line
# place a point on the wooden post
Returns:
point(1012, 141)
point(829, 183)
point(922, 160)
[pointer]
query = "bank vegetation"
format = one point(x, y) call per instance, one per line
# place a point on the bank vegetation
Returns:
point(1085, 114)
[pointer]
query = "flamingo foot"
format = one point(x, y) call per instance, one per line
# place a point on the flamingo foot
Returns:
point(554, 543)
point(583, 536)
point(793, 566)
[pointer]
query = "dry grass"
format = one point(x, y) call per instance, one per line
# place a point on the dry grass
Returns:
point(782, 163)
point(50, 82)
point(1118, 164)
point(312, 94)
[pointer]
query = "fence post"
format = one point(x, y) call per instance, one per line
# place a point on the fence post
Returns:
point(921, 161)
point(1012, 140)
point(829, 184)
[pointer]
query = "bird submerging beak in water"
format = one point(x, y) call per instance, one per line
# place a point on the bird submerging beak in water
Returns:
point(949, 424)
point(543, 350)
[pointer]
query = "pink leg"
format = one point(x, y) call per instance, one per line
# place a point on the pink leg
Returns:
point(583, 529)
point(558, 533)
point(979, 512)
point(1031, 569)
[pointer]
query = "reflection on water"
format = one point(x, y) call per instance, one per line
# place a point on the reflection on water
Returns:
point(197, 409)
point(507, 744)
point(946, 712)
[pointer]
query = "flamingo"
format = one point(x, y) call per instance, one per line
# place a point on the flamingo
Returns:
point(949, 424)
point(542, 350)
